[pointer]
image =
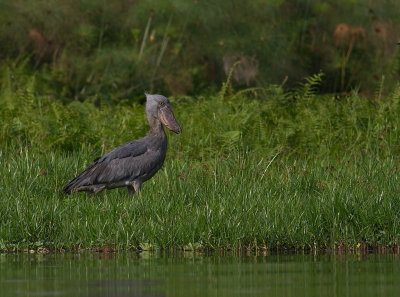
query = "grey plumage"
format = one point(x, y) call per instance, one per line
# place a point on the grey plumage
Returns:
point(134, 162)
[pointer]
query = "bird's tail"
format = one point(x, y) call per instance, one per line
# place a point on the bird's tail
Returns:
point(70, 186)
point(82, 179)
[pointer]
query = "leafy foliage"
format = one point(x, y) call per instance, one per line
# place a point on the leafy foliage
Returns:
point(262, 120)
point(113, 51)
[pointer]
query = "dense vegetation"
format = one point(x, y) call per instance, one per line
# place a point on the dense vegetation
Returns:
point(270, 156)
point(114, 51)
point(239, 201)
point(260, 168)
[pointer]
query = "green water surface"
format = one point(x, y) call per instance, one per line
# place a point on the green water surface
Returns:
point(147, 274)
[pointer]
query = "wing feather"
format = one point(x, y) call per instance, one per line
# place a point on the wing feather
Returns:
point(114, 166)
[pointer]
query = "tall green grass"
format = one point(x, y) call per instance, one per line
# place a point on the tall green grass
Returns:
point(260, 168)
point(241, 201)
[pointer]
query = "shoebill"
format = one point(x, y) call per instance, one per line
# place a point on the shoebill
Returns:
point(134, 162)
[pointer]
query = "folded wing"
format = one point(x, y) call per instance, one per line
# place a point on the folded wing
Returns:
point(120, 164)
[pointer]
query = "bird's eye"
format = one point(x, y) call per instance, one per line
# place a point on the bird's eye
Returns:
point(162, 104)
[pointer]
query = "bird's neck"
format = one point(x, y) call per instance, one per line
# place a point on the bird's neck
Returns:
point(155, 126)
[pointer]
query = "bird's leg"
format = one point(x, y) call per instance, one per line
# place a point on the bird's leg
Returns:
point(137, 186)
point(131, 190)
point(94, 189)
point(98, 189)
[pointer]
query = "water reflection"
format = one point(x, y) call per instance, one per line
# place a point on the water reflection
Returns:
point(147, 274)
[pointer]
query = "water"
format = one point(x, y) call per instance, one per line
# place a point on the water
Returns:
point(131, 274)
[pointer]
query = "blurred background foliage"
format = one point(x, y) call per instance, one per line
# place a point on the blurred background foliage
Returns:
point(108, 51)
